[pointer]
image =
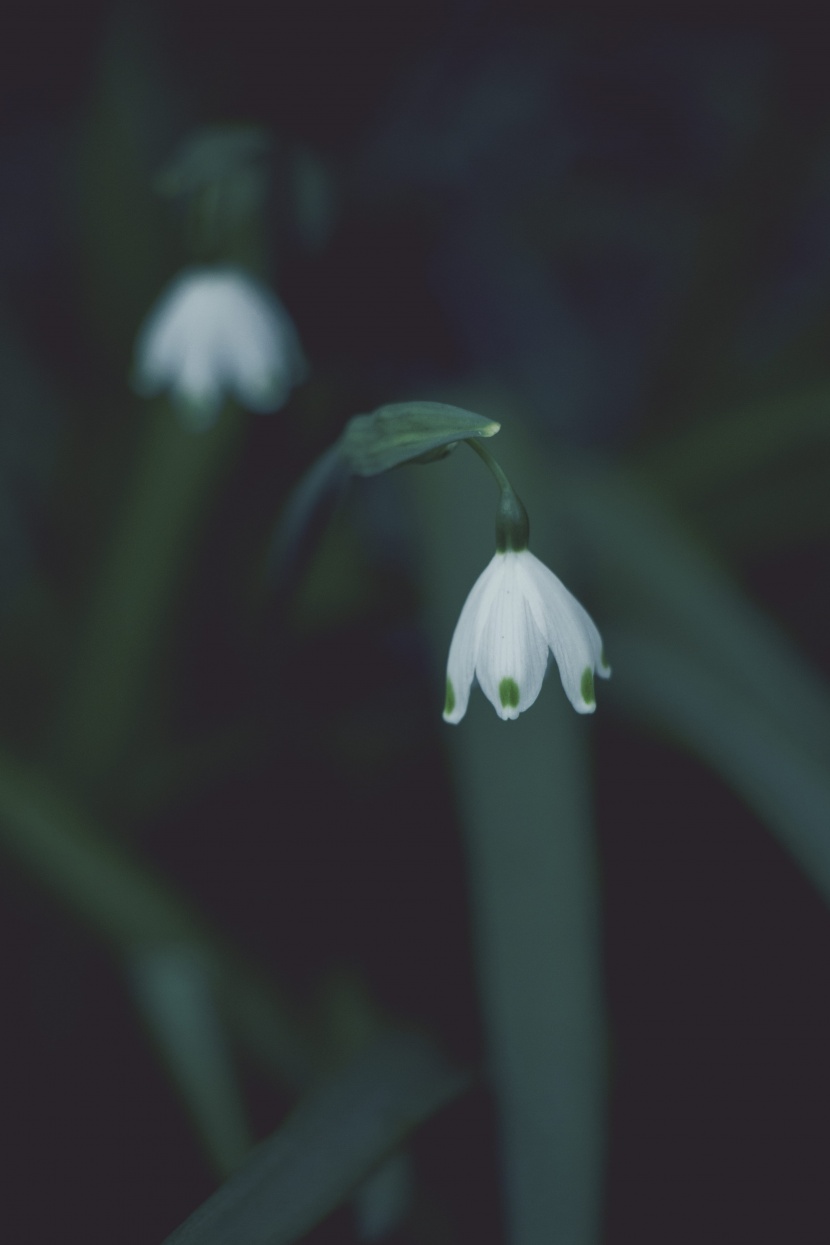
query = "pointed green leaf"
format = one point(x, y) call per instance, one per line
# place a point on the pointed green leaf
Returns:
point(408, 431)
point(175, 990)
point(649, 567)
point(332, 1142)
point(716, 451)
point(683, 692)
point(126, 902)
point(304, 519)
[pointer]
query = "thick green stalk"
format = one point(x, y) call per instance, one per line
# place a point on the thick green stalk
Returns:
point(148, 552)
point(524, 796)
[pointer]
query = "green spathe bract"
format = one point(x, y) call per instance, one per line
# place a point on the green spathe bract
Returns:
point(406, 431)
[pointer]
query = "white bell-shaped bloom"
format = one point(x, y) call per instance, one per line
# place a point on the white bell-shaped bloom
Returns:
point(518, 612)
point(217, 332)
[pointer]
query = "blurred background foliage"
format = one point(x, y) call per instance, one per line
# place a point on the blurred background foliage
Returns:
point(231, 824)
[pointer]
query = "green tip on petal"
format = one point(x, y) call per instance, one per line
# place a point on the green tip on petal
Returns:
point(603, 660)
point(509, 694)
point(586, 686)
point(449, 703)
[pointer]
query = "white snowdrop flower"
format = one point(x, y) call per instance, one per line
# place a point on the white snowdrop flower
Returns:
point(517, 612)
point(216, 332)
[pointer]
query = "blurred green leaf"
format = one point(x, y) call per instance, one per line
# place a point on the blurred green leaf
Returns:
point(736, 688)
point(136, 910)
point(175, 990)
point(404, 431)
point(771, 515)
point(718, 453)
point(213, 154)
point(383, 1200)
point(221, 172)
point(304, 518)
point(651, 571)
point(678, 691)
point(176, 959)
point(330, 1143)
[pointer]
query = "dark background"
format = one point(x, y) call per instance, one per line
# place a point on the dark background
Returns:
point(627, 221)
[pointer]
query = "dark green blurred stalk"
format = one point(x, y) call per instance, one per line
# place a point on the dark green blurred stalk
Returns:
point(524, 793)
point(149, 551)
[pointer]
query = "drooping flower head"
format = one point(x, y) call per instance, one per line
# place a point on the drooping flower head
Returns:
point(517, 614)
point(217, 332)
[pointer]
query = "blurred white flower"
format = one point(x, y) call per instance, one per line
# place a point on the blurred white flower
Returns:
point(516, 612)
point(217, 332)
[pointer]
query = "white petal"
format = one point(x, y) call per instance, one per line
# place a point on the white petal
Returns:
point(512, 649)
point(158, 349)
point(217, 331)
point(464, 646)
point(262, 352)
point(267, 360)
point(569, 630)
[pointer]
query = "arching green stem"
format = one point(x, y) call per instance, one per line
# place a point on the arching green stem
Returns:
point(512, 523)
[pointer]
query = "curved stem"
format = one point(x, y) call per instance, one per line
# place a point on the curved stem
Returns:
point(512, 523)
point(495, 468)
